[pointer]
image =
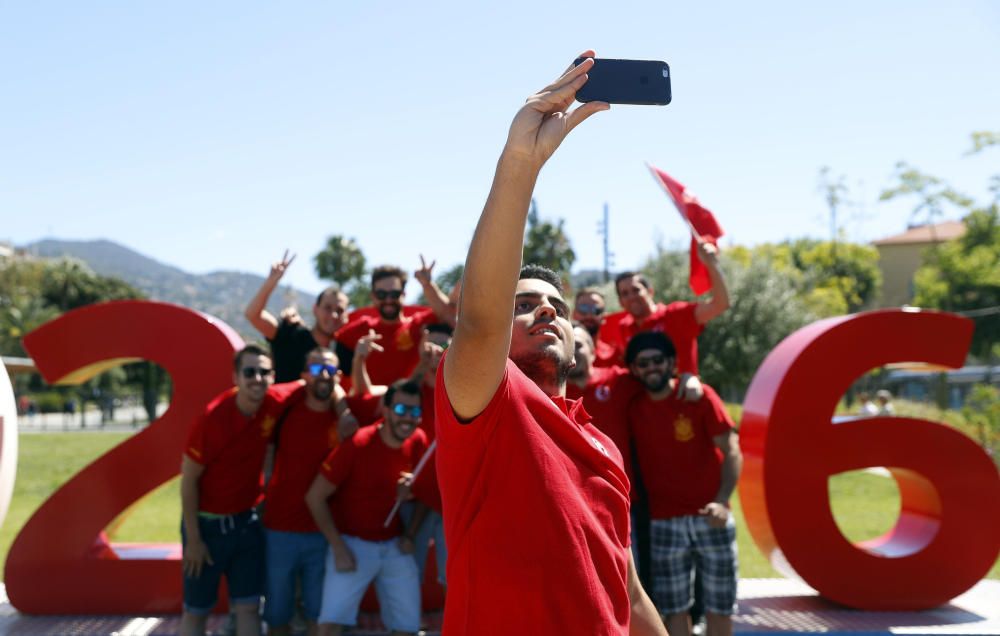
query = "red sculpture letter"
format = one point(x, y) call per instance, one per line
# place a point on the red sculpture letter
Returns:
point(58, 564)
point(948, 533)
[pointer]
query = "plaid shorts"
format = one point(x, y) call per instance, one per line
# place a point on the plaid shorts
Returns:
point(681, 544)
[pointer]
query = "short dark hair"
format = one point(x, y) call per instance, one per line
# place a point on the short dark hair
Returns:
point(402, 386)
point(626, 275)
point(588, 290)
point(388, 271)
point(649, 340)
point(320, 351)
point(441, 327)
point(333, 289)
point(540, 272)
point(253, 349)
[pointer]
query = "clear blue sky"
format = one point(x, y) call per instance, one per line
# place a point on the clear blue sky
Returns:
point(212, 135)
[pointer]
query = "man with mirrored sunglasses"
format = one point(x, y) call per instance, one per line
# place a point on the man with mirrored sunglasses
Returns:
point(303, 437)
point(220, 486)
point(350, 499)
point(689, 459)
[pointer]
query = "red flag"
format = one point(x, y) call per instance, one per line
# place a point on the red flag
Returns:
point(700, 221)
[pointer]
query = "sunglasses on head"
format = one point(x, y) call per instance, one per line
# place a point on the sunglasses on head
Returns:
point(382, 294)
point(642, 363)
point(590, 310)
point(402, 409)
point(251, 372)
point(316, 369)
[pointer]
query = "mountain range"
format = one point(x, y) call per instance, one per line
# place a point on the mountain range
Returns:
point(223, 294)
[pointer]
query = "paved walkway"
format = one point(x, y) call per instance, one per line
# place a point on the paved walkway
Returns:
point(776, 606)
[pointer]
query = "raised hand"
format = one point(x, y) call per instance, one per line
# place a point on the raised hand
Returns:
point(543, 122)
point(708, 253)
point(367, 344)
point(278, 269)
point(424, 274)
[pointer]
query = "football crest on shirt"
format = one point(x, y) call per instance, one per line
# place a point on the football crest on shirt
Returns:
point(267, 426)
point(404, 340)
point(683, 431)
point(603, 393)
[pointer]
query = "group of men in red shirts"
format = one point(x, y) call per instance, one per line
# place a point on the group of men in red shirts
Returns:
point(545, 433)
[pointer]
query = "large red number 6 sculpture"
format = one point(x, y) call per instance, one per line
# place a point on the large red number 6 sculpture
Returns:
point(58, 564)
point(948, 533)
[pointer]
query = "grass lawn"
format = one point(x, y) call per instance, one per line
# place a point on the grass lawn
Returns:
point(865, 505)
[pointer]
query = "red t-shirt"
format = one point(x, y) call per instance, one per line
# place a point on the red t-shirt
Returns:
point(365, 471)
point(305, 439)
point(365, 408)
point(536, 514)
point(401, 341)
point(372, 311)
point(607, 396)
point(605, 355)
point(677, 320)
point(231, 447)
point(680, 464)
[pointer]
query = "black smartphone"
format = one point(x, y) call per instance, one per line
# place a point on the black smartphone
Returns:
point(626, 82)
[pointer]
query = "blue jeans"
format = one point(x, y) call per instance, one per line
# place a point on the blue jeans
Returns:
point(293, 556)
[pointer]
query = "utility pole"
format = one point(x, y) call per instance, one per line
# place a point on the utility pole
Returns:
point(603, 231)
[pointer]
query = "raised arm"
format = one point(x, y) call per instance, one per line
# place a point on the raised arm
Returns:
point(477, 357)
point(709, 255)
point(256, 312)
point(436, 299)
point(361, 383)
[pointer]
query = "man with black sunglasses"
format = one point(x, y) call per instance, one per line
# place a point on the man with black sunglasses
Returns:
point(350, 499)
point(399, 326)
point(296, 549)
point(220, 486)
point(689, 459)
point(588, 310)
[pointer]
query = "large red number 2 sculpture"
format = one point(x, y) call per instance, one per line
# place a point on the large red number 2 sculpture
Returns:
point(59, 564)
point(948, 533)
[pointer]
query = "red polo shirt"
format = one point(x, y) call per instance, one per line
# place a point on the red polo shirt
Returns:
point(536, 514)
point(365, 471)
point(231, 447)
point(677, 320)
point(606, 397)
point(400, 341)
point(305, 439)
point(673, 439)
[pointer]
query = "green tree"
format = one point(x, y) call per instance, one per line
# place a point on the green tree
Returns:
point(343, 262)
point(546, 244)
point(962, 275)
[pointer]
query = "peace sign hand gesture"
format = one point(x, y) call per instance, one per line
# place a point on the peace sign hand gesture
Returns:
point(424, 275)
point(278, 269)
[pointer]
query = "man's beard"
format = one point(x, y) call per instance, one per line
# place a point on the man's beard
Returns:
point(659, 385)
point(389, 312)
point(322, 390)
point(544, 366)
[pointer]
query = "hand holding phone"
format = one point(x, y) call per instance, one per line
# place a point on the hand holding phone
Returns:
point(626, 82)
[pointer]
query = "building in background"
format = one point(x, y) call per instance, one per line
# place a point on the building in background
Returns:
point(901, 255)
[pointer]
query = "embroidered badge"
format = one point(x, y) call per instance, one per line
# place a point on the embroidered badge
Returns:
point(267, 426)
point(603, 393)
point(404, 340)
point(683, 431)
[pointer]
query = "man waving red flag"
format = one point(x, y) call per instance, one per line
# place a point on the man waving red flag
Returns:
point(700, 221)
